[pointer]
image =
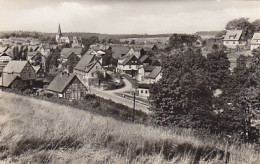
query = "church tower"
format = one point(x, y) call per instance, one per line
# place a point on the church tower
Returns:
point(59, 34)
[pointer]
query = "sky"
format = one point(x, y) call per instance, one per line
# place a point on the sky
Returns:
point(124, 16)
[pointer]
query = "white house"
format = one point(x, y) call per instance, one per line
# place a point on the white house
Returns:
point(4, 57)
point(233, 39)
point(128, 64)
point(255, 42)
point(87, 69)
point(149, 74)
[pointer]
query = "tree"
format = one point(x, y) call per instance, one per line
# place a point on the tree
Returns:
point(241, 24)
point(87, 42)
point(178, 41)
point(183, 94)
point(218, 68)
point(256, 25)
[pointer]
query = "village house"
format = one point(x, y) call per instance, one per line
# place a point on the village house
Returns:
point(68, 51)
point(155, 75)
point(6, 80)
point(255, 42)
point(4, 57)
point(143, 90)
point(234, 38)
point(22, 69)
point(128, 64)
point(119, 52)
point(143, 73)
point(87, 69)
point(149, 74)
point(70, 61)
point(67, 86)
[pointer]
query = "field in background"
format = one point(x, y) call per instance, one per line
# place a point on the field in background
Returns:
point(37, 131)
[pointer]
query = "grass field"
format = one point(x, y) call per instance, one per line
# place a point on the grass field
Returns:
point(36, 131)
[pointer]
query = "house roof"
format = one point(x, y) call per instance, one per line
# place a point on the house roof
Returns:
point(68, 51)
point(118, 52)
point(143, 58)
point(149, 68)
point(155, 72)
point(7, 80)
point(36, 68)
point(15, 66)
point(256, 39)
point(66, 56)
point(143, 86)
point(236, 35)
point(32, 53)
point(60, 82)
point(86, 63)
point(3, 49)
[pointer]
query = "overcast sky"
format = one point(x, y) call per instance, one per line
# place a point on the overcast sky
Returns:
point(125, 16)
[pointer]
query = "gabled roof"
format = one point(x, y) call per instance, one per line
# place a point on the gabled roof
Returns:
point(236, 35)
point(60, 82)
point(3, 49)
point(66, 56)
point(36, 68)
point(125, 59)
point(7, 80)
point(156, 71)
point(149, 68)
point(4, 54)
point(15, 66)
point(118, 52)
point(256, 39)
point(86, 63)
point(33, 53)
point(143, 58)
point(68, 51)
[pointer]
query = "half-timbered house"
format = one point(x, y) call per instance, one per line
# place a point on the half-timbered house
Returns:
point(68, 86)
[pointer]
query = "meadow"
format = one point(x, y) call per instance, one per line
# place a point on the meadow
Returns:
point(38, 131)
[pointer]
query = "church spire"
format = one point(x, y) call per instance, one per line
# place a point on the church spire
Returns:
point(59, 31)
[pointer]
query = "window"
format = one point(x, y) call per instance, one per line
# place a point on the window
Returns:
point(141, 91)
point(129, 66)
point(146, 91)
point(96, 67)
point(234, 42)
point(92, 74)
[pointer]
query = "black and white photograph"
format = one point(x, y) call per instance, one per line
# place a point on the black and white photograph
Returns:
point(129, 82)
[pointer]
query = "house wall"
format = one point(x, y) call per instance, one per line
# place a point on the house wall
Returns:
point(143, 92)
point(5, 58)
point(252, 47)
point(86, 77)
point(233, 44)
point(75, 91)
point(28, 73)
point(152, 81)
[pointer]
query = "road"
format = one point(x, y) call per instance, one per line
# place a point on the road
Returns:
point(111, 95)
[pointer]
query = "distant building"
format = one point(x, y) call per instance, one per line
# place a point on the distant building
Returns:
point(234, 38)
point(60, 38)
point(255, 42)
point(67, 86)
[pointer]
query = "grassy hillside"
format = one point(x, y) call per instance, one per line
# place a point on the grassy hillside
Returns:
point(36, 131)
